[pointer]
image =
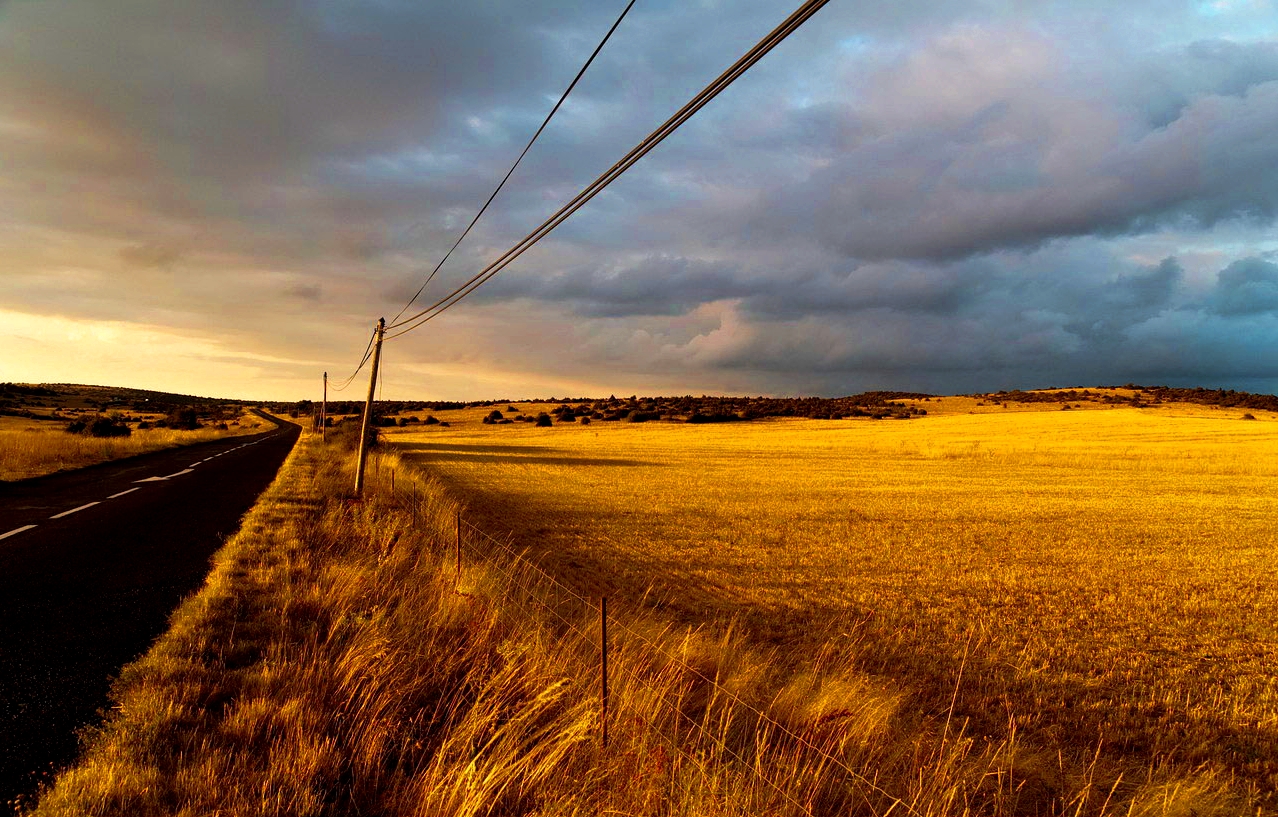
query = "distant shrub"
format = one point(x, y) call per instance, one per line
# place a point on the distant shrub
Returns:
point(144, 425)
point(219, 427)
point(567, 417)
point(184, 419)
point(430, 420)
point(76, 427)
point(444, 424)
point(491, 417)
point(543, 420)
point(511, 410)
point(585, 421)
point(108, 427)
point(1249, 416)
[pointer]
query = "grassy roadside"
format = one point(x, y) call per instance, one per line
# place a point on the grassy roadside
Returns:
point(31, 450)
point(335, 664)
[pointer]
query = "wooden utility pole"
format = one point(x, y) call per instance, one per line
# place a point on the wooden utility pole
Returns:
point(324, 411)
point(368, 408)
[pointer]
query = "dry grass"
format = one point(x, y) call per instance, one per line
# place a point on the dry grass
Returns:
point(331, 665)
point(1106, 573)
point(31, 449)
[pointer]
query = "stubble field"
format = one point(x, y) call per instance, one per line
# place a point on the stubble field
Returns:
point(1096, 584)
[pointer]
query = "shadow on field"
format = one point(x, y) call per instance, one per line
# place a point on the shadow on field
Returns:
point(1058, 714)
point(476, 449)
point(508, 454)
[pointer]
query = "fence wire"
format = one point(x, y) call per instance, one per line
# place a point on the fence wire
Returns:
point(548, 581)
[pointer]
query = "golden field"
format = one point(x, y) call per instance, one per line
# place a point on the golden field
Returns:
point(995, 613)
point(1095, 583)
point(31, 448)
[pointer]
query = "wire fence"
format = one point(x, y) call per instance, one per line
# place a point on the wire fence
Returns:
point(667, 678)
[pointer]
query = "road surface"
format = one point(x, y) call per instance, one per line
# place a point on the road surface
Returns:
point(91, 564)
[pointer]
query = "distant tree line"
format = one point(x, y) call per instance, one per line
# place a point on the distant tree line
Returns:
point(706, 409)
point(1141, 396)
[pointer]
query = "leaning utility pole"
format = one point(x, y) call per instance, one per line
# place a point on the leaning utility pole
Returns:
point(368, 407)
point(324, 411)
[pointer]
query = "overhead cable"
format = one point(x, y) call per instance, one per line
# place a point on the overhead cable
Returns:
point(368, 352)
point(792, 23)
point(524, 153)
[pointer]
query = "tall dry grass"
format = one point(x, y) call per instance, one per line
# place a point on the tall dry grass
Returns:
point(338, 662)
point(32, 451)
point(1102, 575)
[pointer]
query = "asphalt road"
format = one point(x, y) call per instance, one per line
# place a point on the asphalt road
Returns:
point(91, 564)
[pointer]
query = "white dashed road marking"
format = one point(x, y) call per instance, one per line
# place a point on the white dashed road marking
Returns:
point(122, 493)
point(161, 479)
point(73, 510)
point(16, 531)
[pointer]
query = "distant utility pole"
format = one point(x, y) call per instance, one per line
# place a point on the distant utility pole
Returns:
point(368, 408)
point(324, 411)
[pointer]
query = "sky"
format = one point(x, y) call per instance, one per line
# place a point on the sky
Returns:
point(952, 197)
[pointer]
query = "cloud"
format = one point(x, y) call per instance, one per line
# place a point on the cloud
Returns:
point(1246, 287)
point(944, 195)
point(983, 140)
point(306, 292)
point(153, 256)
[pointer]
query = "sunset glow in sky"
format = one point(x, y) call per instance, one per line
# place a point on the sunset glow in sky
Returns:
point(221, 198)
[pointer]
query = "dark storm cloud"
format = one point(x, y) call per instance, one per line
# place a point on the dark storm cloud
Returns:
point(973, 147)
point(904, 194)
point(1246, 287)
point(658, 285)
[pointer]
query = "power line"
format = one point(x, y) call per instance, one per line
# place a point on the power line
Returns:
point(792, 23)
point(368, 352)
point(524, 153)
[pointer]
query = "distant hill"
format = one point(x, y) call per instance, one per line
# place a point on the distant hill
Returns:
point(39, 400)
point(1132, 394)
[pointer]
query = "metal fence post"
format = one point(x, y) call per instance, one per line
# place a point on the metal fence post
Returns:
point(603, 669)
point(457, 555)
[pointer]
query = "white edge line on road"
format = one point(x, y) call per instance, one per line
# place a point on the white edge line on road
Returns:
point(178, 474)
point(122, 493)
point(16, 531)
point(73, 510)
